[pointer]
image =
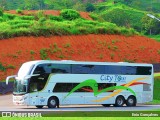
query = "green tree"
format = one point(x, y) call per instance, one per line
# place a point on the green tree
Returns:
point(1, 11)
point(128, 2)
point(150, 26)
point(117, 16)
point(70, 14)
point(34, 4)
point(79, 6)
point(3, 4)
point(59, 4)
point(90, 7)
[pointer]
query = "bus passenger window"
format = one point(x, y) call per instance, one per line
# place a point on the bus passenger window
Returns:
point(102, 86)
point(60, 68)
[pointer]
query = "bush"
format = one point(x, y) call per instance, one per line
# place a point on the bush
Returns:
point(56, 18)
point(17, 21)
point(127, 32)
point(42, 20)
point(10, 66)
point(27, 17)
point(43, 53)
point(69, 14)
point(1, 19)
point(20, 32)
point(32, 52)
point(7, 17)
point(4, 27)
point(74, 31)
point(90, 7)
point(1, 11)
point(39, 14)
point(2, 68)
point(19, 11)
point(94, 16)
point(21, 25)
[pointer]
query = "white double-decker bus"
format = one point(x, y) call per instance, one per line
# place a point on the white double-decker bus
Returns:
point(53, 83)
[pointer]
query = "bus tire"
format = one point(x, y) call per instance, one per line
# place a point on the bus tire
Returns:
point(131, 101)
point(39, 106)
point(119, 101)
point(52, 102)
point(106, 105)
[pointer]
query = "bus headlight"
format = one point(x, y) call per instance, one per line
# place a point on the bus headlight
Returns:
point(25, 98)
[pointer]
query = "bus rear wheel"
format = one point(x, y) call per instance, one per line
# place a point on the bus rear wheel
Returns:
point(119, 101)
point(52, 102)
point(131, 101)
point(105, 105)
point(39, 106)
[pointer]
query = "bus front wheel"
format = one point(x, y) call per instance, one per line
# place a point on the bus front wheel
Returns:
point(52, 102)
point(131, 101)
point(119, 101)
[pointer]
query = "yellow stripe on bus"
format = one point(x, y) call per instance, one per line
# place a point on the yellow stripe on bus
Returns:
point(118, 91)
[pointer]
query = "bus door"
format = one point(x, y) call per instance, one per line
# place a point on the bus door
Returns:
point(36, 86)
point(33, 94)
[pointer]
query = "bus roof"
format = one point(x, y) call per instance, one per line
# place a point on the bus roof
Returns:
point(86, 62)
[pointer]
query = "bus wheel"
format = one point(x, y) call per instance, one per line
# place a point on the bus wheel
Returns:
point(105, 105)
point(131, 101)
point(39, 106)
point(119, 101)
point(52, 102)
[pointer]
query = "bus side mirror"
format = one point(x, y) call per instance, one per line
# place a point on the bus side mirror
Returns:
point(9, 77)
point(24, 81)
point(29, 76)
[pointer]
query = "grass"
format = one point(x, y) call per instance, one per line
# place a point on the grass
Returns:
point(156, 74)
point(82, 118)
point(156, 95)
point(11, 80)
point(156, 37)
point(97, 113)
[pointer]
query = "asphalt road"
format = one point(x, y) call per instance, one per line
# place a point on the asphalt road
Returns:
point(7, 105)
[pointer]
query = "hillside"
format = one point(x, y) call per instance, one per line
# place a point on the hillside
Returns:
point(123, 13)
point(107, 48)
point(142, 5)
point(84, 15)
point(108, 32)
point(51, 23)
point(147, 5)
point(128, 15)
point(46, 4)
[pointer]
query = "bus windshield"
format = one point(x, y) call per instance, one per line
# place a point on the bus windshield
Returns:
point(19, 87)
point(25, 70)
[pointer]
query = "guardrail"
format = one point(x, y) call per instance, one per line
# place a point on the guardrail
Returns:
point(156, 67)
point(6, 88)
